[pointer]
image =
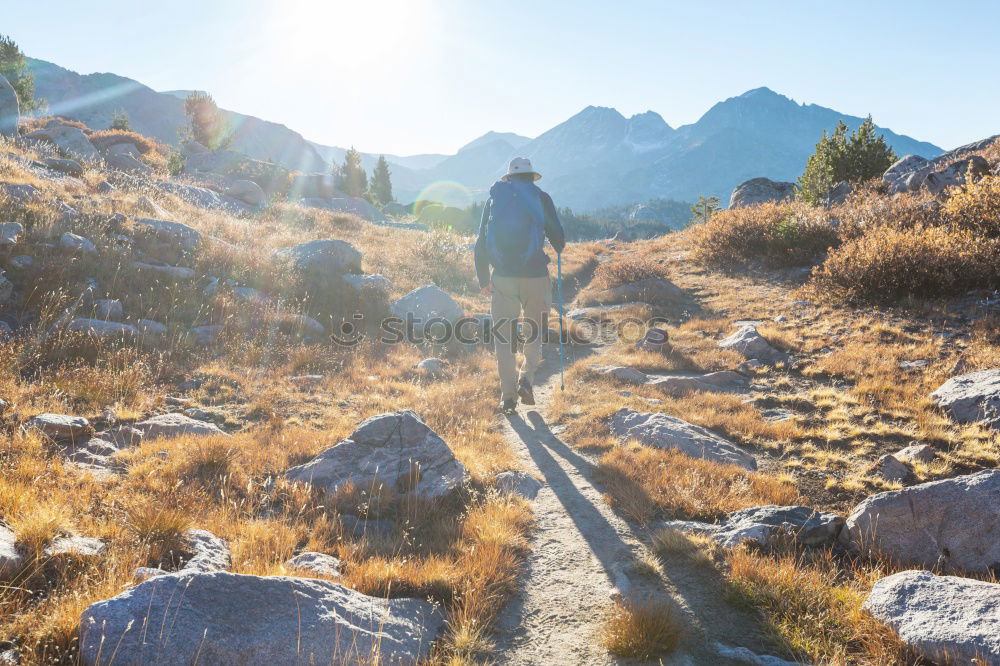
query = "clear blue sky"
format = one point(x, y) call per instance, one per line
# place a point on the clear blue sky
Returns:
point(409, 76)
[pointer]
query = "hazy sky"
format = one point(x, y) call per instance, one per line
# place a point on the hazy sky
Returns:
point(409, 76)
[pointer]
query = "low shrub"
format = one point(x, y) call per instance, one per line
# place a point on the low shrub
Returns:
point(886, 265)
point(643, 629)
point(153, 153)
point(775, 234)
point(869, 208)
point(976, 207)
point(626, 270)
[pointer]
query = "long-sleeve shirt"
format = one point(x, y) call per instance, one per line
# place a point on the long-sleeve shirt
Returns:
point(553, 231)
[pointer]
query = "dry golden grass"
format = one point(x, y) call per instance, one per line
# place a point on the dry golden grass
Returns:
point(643, 629)
point(626, 269)
point(645, 483)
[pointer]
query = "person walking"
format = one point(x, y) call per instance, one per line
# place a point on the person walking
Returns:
point(517, 219)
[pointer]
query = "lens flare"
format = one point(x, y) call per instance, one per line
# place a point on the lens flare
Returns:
point(446, 192)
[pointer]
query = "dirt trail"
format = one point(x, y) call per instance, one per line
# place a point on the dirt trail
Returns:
point(581, 550)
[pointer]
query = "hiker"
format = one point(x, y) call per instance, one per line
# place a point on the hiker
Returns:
point(517, 219)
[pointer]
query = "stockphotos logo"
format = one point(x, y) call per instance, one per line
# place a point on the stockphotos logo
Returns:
point(484, 329)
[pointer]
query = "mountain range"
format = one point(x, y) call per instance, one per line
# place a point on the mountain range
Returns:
point(595, 159)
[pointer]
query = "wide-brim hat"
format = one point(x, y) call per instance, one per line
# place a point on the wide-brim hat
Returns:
point(520, 165)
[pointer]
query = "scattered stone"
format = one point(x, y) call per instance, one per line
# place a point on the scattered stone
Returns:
point(10, 110)
point(99, 329)
point(396, 449)
point(20, 193)
point(762, 524)
point(921, 453)
point(891, 468)
point(122, 436)
point(10, 234)
point(623, 374)
point(434, 368)
point(176, 273)
point(247, 191)
point(375, 282)
point(21, 263)
point(68, 167)
point(109, 309)
point(146, 204)
point(76, 546)
point(972, 397)
point(203, 336)
point(165, 239)
point(61, 426)
point(668, 432)
point(914, 365)
point(427, 305)
point(777, 415)
point(748, 656)
point(318, 563)
point(74, 243)
point(176, 425)
point(302, 326)
point(322, 260)
point(655, 340)
point(907, 174)
point(11, 561)
point(519, 483)
point(948, 523)
point(759, 190)
point(355, 206)
point(224, 618)
point(751, 344)
point(945, 619)
point(208, 552)
point(104, 187)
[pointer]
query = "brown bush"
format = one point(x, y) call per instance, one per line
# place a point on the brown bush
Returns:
point(887, 264)
point(976, 207)
point(154, 153)
point(31, 124)
point(624, 271)
point(775, 234)
point(869, 208)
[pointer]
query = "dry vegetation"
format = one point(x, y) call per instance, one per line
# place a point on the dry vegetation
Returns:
point(464, 553)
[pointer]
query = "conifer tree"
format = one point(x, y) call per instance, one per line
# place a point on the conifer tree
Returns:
point(381, 183)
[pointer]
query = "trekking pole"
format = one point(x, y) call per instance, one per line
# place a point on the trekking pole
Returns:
point(559, 298)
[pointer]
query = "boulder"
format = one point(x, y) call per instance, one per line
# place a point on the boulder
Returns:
point(375, 282)
point(126, 162)
point(424, 305)
point(206, 551)
point(518, 483)
point(194, 148)
point(70, 140)
point(945, 619)
point(655, 340)
point(11, 561)
point(957, 173)
point(224, 618)
point(761, 524)
point(921, 453)
point(759, 190)
point(669, 432)
point(395, 209)
point(204, 197)
point(907, 174)
point(891, 468)
point(174, 273)
point(658, 292)
point(751, 344)
point(623, 373)
point(302, 326)
point(202, 336)
point(838, 194)
point(108, 309)
point(79, 244)
point(247, 191)
point(356, 206)
point(151, 329)
point(725, 380)
point(98, 329)
point(602, 313)
point(147, 205)
point(11, 234)
point(361, 528)
point(76, 546)
point(317, 563)
point(165, 239)
point(396, 449)
point(68, 167)
point(434, 368)
point(21, 263)
point(10, 110)
point(971, 398)
point(950, 523)
point(61, 426)
point(20, 193)
point(175, 425)
point(321, 260)
point(250, 295)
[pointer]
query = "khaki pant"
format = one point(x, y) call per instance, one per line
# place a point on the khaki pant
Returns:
point(512, 297)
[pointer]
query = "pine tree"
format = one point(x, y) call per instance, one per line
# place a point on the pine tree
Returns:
point(381, 183)
point(838, 157)
point(705, 208)
point(351, 176)
point(206, 124)
point(14, 68)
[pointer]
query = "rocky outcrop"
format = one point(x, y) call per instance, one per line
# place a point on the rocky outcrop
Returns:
point(752, 345)
point(761, 524)
point(946, 619)
point(11, 561)
point(317, 563)
point(71, 141)
point(101, 330)
point(396, 450)
point(972, 398)
point(246, 191)
point(61, 426)
point(175, 425)
point(321, 260)
point(10, 234)
point(10, 110)
point(953, 523)
point(669, 432)
point(223, 618)
point(759, 190)
point(77, 244)
point(957, 173)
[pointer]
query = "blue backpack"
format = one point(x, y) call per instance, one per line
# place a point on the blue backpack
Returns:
point(515, 231)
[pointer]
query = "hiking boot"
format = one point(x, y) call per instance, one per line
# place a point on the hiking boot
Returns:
point(524, 391)
point(508, 406)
